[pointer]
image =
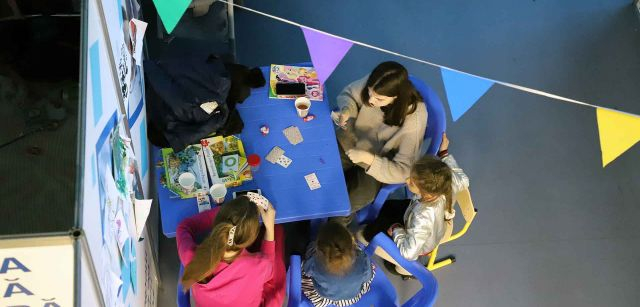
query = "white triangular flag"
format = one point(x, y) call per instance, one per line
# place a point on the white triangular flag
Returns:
point(142, 208)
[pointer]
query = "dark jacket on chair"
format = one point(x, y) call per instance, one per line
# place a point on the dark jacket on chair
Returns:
point(176, 89)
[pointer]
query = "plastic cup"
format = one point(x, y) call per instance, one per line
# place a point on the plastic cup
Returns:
point(218, 191)
point(303, 104)
point(254, 162)
point(187, 181)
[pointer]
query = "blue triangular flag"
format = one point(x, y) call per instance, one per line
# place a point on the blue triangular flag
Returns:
point(463, 91)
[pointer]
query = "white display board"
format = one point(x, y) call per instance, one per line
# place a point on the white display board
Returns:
point(123, 265)
point(37, 272)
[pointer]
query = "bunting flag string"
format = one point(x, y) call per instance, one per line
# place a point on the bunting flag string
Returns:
point(618, 130)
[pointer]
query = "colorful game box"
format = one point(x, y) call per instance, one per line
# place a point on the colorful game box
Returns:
point(295, 74)
point(191, 159)
point(226, 160)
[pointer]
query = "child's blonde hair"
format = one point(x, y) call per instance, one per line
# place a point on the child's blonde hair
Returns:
point(336, 248)
point(432, 176)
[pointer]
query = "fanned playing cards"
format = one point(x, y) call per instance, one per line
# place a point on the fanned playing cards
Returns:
point(259, 200)
point(276, 155)
point(293, 135)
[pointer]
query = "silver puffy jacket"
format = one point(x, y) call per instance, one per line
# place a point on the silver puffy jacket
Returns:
point(424, 223)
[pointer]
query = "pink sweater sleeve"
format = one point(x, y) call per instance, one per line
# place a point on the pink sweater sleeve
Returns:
point(189, 229)
point(273, 252)
point(268, 249)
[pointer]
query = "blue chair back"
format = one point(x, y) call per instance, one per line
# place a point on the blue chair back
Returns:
point(183, 299)
point(382, 292)
point(436, 125)
point(436, 116)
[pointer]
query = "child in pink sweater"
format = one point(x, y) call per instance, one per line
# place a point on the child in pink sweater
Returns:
point(221, 271)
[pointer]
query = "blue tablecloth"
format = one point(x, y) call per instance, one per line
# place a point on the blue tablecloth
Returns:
point(286, 188)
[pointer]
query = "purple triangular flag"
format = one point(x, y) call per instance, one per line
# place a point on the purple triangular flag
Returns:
point(326, 52)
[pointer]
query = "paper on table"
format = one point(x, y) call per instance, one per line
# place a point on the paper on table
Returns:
point(137, 35)
point(141, 208)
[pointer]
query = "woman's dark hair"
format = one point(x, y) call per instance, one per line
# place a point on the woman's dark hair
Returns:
point(240, 212)
point(392, 79)
point(336, 248)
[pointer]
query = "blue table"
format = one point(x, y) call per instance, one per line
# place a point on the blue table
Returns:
point(286, 188)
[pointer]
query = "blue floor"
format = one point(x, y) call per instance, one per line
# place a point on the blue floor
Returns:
point(554, 228)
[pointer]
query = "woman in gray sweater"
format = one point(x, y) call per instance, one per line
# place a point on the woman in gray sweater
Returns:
point(382, 119)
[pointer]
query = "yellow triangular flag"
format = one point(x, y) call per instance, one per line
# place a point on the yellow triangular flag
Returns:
point(618, 132)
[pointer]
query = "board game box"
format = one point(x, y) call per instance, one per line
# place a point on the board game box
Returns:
point(295, 74)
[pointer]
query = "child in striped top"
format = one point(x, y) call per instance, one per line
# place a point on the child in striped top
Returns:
point(336, 272)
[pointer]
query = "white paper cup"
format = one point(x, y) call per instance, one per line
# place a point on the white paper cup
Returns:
point(218, 191)
point(303, 104)
point(187, 181)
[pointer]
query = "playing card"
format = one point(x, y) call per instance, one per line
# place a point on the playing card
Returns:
point(209, 107)
point(293, 135)
point(284, 161)
point(259, 200)
point(274, 154)
point(312, 181)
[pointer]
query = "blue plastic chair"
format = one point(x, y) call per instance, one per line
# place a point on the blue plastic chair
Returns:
point(382, 292)
point(436, 125)
point(183, 298)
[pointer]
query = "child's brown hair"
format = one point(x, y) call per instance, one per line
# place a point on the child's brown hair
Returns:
point(432, 176)
point(336, 248)
point(241, 213)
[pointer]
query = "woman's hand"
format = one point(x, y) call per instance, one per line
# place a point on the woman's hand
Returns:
point(360, 156)
point(340, 118)
point(445, 142)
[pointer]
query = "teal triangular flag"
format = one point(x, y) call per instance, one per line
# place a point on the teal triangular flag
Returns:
point(170, 12)
point(463, 91)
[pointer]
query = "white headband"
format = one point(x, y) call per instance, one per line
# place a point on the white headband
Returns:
point(232, 233)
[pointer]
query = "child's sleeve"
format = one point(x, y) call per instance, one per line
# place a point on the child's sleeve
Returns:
point(459, 179)
point(350, 99)
point(268, 248)
point(413, 237)
point(189, 229)
point(275, 275)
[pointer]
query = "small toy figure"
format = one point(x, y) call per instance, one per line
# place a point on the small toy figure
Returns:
point(264, 130)
point(308, 118)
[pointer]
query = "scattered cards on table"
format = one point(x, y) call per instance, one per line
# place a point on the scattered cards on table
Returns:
point(293, 135)
point(312, 181)
point(274, 154)
point(284, 161)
